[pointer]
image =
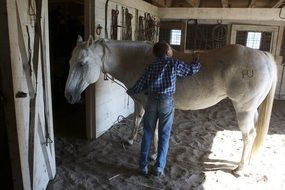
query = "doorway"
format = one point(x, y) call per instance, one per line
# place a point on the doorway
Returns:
point(66, 22)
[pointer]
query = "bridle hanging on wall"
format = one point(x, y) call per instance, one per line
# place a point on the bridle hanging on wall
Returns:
point(123, 24)
point(129, 18)
point(147, 27)
point(127, 24)
point(141, 27)
point(114, 24)
point(150, 27)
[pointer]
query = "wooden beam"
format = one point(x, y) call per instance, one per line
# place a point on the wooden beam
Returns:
point(194, 3)
point(239, 14)
point(89, 18)
point(225, 3)
point(162, 3)
point(251, 3)
point(278, 4)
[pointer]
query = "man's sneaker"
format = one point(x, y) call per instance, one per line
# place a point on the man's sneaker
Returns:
point(143, 171)
point(159, 174)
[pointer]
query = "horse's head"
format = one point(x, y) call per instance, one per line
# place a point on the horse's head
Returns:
point(84, 69)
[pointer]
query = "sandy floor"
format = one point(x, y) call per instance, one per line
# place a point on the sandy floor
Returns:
point(204, 146)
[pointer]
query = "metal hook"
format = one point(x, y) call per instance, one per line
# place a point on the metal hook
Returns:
point(99, 29)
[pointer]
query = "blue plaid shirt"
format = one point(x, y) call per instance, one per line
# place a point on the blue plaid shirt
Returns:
point(160, 76)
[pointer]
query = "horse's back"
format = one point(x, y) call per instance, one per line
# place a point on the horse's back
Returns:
point(234, 71)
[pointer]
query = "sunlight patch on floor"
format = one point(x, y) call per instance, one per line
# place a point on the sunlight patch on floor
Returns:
point(265, 172)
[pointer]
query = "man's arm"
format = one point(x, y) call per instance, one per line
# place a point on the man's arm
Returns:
point(140, 85)
point(183, 69)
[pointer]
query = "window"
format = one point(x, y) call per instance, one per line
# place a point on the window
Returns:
point(253, 40)
point(269, 36)
point(175, 38)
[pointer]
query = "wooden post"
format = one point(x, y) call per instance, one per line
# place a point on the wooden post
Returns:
point(90, 102)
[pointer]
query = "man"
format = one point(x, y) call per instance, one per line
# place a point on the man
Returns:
point(159, 83)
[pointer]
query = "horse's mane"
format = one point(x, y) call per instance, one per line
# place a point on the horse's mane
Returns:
point(104, 43)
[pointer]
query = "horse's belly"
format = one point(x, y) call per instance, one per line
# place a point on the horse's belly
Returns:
point(198, 94)
point(196, 102)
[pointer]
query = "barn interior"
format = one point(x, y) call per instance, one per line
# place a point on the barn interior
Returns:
point(198, 27)
point(66, 22)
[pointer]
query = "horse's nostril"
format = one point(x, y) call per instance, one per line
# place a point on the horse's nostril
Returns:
point(70, 98)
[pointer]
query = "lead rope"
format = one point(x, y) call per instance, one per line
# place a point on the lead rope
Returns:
point(106, 76)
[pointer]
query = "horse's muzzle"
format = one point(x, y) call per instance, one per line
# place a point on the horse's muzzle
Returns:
point(72, 99)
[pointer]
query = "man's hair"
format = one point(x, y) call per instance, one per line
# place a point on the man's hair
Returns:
point(160, 49)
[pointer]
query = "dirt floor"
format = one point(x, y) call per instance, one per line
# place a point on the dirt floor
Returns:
point(205, 145)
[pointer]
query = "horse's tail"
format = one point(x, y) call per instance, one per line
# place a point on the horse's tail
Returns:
point(264, 111)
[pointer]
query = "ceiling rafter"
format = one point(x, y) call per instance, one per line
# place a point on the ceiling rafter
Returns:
point(194, 3)
point(161, 3)
point(251, 3)
point(279, 4)
point(225, 3)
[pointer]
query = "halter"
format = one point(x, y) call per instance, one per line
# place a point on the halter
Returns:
point(103, 43)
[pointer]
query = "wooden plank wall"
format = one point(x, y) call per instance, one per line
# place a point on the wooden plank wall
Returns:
point(8, 116)
point(111, 99)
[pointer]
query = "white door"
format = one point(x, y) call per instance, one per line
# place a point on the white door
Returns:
point(29, 47)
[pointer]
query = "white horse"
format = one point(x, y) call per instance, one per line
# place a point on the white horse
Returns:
point(244, 75)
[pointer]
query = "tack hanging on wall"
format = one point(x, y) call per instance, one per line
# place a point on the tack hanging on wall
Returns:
point(114, 23)
point(122, 18)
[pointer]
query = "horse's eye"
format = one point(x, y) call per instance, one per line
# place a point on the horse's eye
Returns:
point(81, 63)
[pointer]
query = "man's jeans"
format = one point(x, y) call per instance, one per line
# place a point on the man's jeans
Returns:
point(158, 107)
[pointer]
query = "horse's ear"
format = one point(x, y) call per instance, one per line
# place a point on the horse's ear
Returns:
point(79, 40)
point(90, 41)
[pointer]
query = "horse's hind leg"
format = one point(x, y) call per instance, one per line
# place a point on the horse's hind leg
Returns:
point(138, 115)
point(153, 155)
point(246, 121)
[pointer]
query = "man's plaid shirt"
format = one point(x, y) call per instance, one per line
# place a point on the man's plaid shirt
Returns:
point(160, 76)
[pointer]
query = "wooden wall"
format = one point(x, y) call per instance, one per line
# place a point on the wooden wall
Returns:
point(111, 100)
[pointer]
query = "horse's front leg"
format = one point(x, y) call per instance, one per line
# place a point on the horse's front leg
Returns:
point(246, 124)
point(138, 115)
